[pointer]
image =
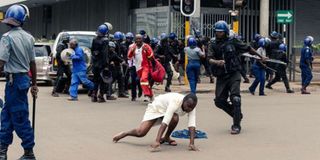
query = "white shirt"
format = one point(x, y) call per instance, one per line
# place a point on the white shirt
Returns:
point(166, 105)
point(138, 58)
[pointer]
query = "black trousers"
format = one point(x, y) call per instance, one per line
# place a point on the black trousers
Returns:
point(280, 74)
point(63, 69)
point(135, 83)
point(99, 85)
point(228, 86)
point(117, 74)
point(169, 73)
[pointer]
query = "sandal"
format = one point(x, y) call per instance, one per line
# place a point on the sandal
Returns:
point(170, 142)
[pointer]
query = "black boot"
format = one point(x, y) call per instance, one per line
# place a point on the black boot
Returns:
point(101, 99)
point(28, 155)
point(167, 89)
point(3, 153)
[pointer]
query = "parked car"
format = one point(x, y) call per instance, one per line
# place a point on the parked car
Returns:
point(43, 60)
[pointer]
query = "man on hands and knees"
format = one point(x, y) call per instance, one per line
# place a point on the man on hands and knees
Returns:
point(166, 108)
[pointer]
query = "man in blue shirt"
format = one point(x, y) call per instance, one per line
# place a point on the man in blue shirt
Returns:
point(18, 58)
point(79, 71)
point(306, 64)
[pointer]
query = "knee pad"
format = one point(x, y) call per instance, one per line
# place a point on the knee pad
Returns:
point(236, 101)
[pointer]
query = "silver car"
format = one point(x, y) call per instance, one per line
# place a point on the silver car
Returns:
point(43, 59)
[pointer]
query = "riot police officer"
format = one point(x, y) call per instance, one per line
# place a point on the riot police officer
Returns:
point(154, 43)
point(281, 69)
point(62, 67)
point(116, 68)
point(225, 58)
point(306, 64)
point(146, 38)
point(18, 58)
point(100, 61)
point(165, 57)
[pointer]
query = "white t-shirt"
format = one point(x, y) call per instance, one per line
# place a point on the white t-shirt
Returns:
point(138, 58)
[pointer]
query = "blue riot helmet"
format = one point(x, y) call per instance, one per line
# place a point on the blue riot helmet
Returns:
point(283, 47)
point(118, 36)
point(130, 36)
point(257, 37)
point(103, 29)
point(308, 41)
point(143, 32)
point(172, 36)
point(197, 32)
point(154, 41)
point(192, 42)
point(262, 42)
point(274, 34)
point(221, 26)
point(163, 36)
point(16, 15)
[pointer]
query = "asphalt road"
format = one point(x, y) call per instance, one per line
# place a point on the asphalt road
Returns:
point(276, 127)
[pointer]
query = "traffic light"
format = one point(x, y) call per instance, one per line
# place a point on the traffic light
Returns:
point(188, 7)
point(238, 3)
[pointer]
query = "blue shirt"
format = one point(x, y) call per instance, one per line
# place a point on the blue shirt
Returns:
point(78, 61)
point(17, 50)
point(306, 56)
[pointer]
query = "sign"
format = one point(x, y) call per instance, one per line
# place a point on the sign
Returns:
point(1, 15)
point(284, 16)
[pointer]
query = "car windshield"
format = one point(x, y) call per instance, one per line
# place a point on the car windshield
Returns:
point(41, 51)
point(84, 40)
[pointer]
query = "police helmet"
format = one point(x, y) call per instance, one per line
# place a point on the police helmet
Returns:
point(221, 26)
point(103, 29)
point(283, 47)
point(118, 36)
point(308, 41)
point(172, 36)
point(16, 15)
point(192, 42)
point(130, 36)
point(65, 37)
point(112, 44)
point(109, 25)
point(257, 37)
point(274, 34)
point(262, 42)
point(163, 36)
point(154, 41)
point(142, 32)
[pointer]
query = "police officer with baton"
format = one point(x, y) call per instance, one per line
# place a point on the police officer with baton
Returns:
point(18, 58)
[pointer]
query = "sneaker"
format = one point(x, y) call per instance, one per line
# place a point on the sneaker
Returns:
point(235, 129)
point(101, 99)
point(72, 99)
point(28, 155)
point(55, 94)
point(269, 87)
point(304, 91)
point(290, 91)
point(111, 98)
point(122, 95)
point(167, 89)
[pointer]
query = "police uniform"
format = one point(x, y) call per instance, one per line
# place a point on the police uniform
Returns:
point(117, 71)
point(165, 55)
point(62, 69)
point(17, 50)
point(99, 63)
point(228, 76)
point(306, 67)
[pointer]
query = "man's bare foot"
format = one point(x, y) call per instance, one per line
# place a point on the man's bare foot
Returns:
point(117, 137)
point(168, 141)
